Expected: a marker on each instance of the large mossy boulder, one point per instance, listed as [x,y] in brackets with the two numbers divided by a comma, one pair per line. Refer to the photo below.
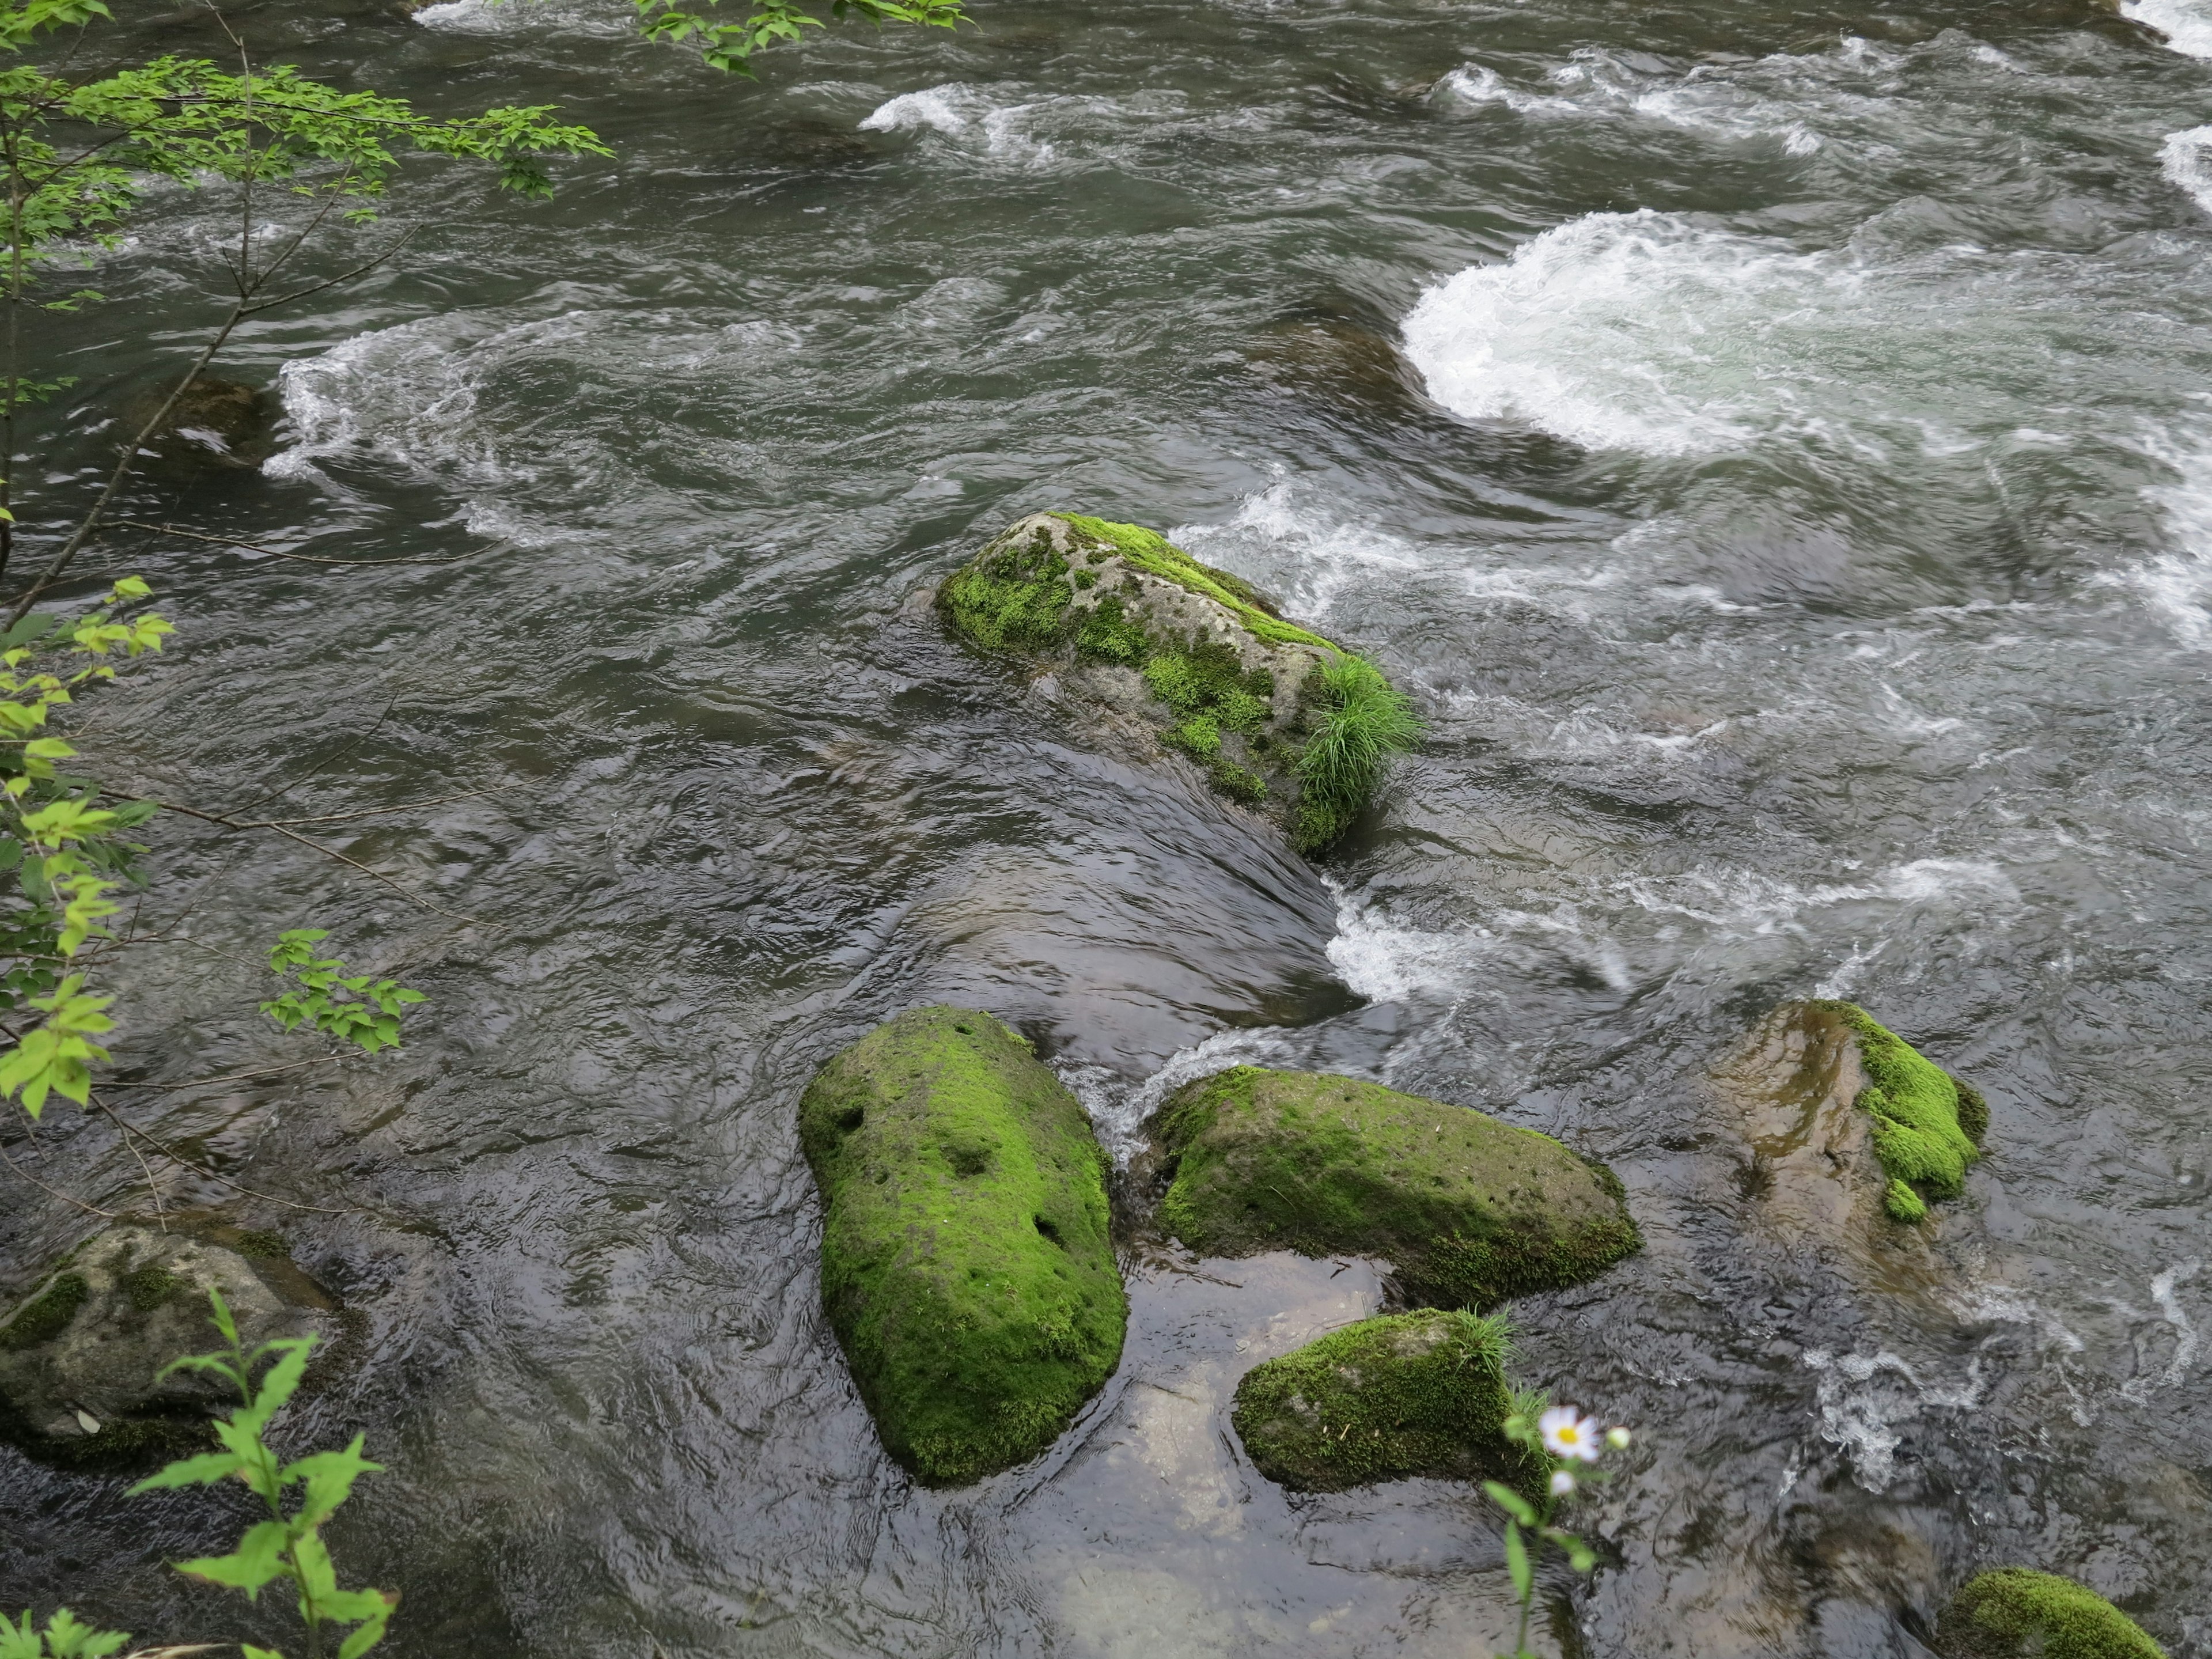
[79,1356]
[966,1263]
[1158,646]
[2015,1613]
[1466,1210]
[1387,1399]
[1853,1132]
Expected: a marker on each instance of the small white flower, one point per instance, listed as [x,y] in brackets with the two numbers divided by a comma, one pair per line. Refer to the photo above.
[1562,1483]
[1617,1438]
[1568,1433]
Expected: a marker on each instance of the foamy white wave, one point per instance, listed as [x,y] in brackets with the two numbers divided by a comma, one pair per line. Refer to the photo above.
[1322,554]
[1865,1398]
[2177,584]
[1118,1107]
[997,121]
[2185,158]
[2164,1293]
[1743,902]
[1640,331]
[1595,82]
[1386,962]
[2187,28]
[607,18]
[1476,84]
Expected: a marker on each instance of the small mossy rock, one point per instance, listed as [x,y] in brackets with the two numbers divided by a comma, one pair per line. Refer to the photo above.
[1853,1133]
[1466,1210]
[1387,1399]
[78,1357]
[214,423]
[1165,654]
[2015,1613]
[966,1263]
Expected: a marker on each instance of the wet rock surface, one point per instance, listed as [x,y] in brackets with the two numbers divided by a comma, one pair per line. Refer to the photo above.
[79,1357]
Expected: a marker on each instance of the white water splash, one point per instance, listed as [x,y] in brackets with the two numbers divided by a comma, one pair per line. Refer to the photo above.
[2177,584]
[2187,28]
[1119,1107]
[2185,158]
[1865,1400]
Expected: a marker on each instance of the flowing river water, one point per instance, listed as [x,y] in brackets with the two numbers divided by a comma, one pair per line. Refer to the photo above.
[1773,445]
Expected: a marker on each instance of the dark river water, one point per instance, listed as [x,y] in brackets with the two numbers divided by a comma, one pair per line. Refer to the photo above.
[1772,445]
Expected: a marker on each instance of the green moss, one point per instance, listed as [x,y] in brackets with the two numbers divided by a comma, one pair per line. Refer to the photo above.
[150,1286]
[966,1263]
[1466,1210]
[1108,634]
[1927,1126]
[1016,600]
[1363,720]
[1902,1203]
[1237,782]
[263,1244]
[46,1316]
[2012,1614]
[1418,1393]
[1151,552]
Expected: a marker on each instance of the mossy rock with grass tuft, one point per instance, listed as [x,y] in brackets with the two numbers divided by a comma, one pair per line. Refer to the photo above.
[79,1356]
[1466,1210]
[966,1263]
[2015,1613]
[1928,1125]
[1191,660]
[1387,1399]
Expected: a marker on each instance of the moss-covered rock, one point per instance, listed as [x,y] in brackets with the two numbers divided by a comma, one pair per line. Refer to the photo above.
[1275,715]
[966,1263]
[1928,1125]
[1416,1394]
[1466,1210]
[79,1356]
[2015,1613]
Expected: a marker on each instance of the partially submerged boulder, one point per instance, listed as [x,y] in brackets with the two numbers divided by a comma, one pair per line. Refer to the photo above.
[78,1357]
[1387,1399]
[1278,717]
[1848,1122]
[1466,1210]
[2015,1613]
[966,1264]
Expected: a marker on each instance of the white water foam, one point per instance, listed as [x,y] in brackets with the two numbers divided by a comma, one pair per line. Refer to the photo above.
[1866,1399]
[2177,584]
[1118,1107]
[2187,28]
[599,17]
[999,122]
[2185,158]
[1643,332]
[2165,1288]
[1595,82]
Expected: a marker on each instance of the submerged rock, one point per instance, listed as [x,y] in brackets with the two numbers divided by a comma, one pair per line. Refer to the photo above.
[1848,1123]
[78,1357]
[1466,1210]
[215,422]
[2015,1613]
[1405,1394]
[966,1264]
[1173,653]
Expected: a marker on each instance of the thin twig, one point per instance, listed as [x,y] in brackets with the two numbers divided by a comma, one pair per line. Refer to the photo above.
[335,757]
[327,852]
[55,1192]
[234,1077]
[372,812]
[176,1156]
[278,552]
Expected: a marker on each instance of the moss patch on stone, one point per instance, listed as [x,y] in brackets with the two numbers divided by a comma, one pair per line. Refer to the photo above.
[47,1314]
[966,1263]
[1466,1210]
[1928,1126]
[2013,1613]
[1153,553]
[1279,717]
[1387,1399]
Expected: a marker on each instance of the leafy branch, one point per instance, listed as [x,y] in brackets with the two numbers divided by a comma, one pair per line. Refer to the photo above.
[731,46]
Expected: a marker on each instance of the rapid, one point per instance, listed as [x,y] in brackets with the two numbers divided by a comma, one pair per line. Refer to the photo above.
[1771,444]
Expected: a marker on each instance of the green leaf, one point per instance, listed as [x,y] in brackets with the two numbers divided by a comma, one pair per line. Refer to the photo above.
[328,1477]
[372,1631]
[1511,1502]
[1517,1563]
[259,1557]
[204,1470]
[253,1652]
[19,1641]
